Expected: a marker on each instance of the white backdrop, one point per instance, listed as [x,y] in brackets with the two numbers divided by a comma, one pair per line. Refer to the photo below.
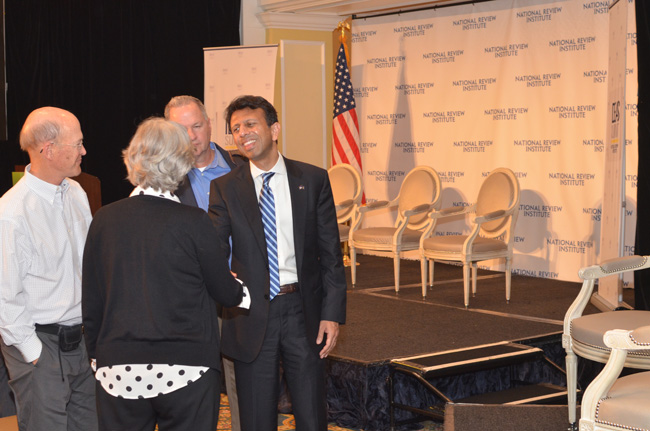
[518,84]
[231,72]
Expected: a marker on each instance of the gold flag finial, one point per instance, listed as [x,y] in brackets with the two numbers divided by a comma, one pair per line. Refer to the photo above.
[343,25]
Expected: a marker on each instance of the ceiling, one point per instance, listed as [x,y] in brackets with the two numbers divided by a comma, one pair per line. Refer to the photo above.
[344,8]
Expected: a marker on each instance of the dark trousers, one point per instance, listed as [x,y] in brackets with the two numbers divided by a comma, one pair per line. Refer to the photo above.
[194,407]
[7,404]
[56,394]
[258,381]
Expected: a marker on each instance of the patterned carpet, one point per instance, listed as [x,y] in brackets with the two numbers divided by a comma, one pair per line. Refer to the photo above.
[286,422]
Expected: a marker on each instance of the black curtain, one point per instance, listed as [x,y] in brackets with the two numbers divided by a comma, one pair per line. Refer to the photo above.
[642,245]
[112,63]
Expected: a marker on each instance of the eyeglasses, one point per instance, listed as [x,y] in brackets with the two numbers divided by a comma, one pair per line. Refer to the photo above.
[77,146]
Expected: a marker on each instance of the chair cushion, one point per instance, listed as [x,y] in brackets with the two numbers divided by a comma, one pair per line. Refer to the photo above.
[590,329]
[384,235]
[626,404]
[454,244]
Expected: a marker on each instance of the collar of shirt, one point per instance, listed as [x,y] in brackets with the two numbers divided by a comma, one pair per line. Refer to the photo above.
[279,168]
[154,192]
[200,178]
[42,188]
[219,161]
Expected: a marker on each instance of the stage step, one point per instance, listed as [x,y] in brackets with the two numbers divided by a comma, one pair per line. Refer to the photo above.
[469,360]
[428,368]
[537,393]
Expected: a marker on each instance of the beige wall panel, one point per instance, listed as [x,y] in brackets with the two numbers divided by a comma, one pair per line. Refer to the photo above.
[304,133]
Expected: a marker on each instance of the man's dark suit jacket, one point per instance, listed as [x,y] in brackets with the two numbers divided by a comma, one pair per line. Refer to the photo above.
[234,211]
[185,192]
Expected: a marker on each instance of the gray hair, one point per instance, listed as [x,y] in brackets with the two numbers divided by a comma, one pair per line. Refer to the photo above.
[43,131]
[180,101]
[159,155]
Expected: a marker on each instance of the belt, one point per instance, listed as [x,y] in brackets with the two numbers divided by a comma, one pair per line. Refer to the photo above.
[53,329]
[288,288]
[65,342]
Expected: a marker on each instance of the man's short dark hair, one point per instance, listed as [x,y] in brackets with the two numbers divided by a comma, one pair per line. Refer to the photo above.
[252,102]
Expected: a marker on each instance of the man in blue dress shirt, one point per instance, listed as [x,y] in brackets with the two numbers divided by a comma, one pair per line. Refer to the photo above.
[211,161]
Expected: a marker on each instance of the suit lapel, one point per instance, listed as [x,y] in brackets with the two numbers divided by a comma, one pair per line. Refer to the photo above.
[299,202]
[227,157]
[250,207]
[185,193]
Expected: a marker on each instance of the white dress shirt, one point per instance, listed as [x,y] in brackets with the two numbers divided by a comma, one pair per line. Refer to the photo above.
[43,230]
[279,184]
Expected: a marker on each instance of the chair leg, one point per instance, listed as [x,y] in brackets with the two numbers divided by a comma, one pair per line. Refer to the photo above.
[474,277]
[466,283]
[346,252]
[353,265]
[396,269]
[431,263]
[508,279]
[424,263]
[572,385]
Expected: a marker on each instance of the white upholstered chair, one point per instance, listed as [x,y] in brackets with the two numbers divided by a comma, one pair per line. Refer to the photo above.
[347,190]
[613,403]
[491,237]
[418,195]
[583,335]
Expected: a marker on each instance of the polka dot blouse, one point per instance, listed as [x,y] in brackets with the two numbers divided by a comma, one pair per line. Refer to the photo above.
[139,381]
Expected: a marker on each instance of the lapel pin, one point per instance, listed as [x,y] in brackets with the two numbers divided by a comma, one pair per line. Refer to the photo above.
[301,187]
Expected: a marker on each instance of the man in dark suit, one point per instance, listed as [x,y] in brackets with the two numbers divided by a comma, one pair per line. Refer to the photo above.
[294,319]
[211,161]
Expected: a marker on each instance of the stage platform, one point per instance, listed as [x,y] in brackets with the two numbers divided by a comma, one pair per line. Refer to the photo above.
[382,326]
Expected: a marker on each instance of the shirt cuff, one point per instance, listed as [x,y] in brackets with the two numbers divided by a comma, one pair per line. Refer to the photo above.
[31,348]
[246,296]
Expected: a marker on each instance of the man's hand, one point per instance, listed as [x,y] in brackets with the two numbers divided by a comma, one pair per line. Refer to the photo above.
[330,331]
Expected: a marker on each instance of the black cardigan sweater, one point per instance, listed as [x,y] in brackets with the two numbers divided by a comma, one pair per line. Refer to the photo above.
[152,271]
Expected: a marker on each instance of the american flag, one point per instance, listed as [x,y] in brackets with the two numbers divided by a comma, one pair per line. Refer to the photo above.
[345,133]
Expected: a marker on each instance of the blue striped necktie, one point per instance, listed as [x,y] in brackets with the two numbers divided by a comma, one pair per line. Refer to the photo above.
[267,208]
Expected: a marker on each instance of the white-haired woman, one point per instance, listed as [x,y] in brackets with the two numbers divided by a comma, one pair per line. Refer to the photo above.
[152,271]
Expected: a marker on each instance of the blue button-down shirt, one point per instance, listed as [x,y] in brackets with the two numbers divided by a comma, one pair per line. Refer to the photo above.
[200,178]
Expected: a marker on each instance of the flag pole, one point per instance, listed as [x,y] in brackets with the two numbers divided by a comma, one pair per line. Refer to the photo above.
[343,39]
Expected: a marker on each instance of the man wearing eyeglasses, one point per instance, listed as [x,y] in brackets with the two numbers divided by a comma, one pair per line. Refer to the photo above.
[44,220]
